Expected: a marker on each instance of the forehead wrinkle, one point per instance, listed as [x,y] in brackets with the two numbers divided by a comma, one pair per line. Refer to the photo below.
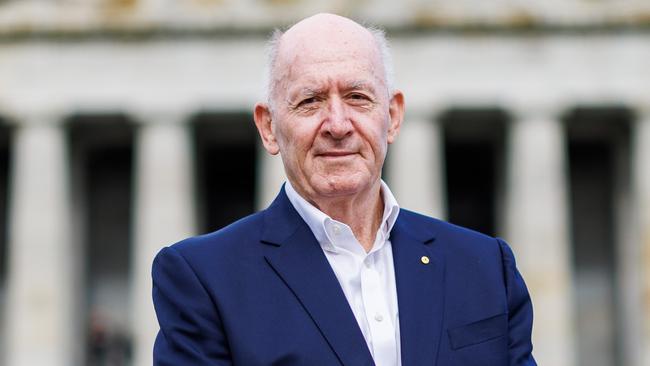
[303,62]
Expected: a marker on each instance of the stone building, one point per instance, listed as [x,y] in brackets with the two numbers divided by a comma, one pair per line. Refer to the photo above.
[126,125]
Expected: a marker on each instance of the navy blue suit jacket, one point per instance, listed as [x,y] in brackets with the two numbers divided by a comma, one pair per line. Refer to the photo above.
[261,292]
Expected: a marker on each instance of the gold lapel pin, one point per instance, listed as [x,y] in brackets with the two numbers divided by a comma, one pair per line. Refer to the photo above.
[424,259]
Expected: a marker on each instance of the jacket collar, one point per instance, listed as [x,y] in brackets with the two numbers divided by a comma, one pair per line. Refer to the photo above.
[296,256]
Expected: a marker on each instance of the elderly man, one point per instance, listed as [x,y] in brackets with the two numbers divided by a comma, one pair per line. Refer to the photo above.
[334,272]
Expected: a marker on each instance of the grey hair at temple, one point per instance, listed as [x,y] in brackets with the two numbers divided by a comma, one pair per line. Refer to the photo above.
[273,45]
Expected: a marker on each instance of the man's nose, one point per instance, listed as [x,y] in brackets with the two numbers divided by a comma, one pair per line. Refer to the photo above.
[337,121]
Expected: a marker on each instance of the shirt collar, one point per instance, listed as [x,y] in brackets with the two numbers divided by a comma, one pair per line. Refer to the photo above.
[317,220]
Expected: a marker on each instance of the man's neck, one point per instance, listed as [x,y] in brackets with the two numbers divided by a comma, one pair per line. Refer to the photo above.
[362,212]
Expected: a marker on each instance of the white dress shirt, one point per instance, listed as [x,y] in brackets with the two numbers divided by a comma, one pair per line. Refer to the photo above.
[367,279]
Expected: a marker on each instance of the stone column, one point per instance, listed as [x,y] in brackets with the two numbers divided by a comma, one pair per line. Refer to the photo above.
[537,226]
[164,212]
[416,166]
[641,183]
[270,172]
[40,323]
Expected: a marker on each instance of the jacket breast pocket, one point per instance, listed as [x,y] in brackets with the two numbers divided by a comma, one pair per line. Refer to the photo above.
[478,332]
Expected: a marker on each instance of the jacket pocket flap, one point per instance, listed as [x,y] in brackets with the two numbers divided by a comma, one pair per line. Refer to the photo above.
[477,332]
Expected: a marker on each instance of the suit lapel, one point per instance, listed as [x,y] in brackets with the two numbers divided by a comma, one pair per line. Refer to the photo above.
[420,291]
[297,257]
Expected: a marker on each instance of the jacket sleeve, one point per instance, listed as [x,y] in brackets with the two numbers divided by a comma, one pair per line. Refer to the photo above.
[520,311]
[191,331]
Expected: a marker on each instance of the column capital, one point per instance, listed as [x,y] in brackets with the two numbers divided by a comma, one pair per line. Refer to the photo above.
[35,117]
[146,116]
[543,110]
[429,114]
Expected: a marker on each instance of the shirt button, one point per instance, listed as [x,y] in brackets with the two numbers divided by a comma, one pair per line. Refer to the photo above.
[378,317]
[336,229]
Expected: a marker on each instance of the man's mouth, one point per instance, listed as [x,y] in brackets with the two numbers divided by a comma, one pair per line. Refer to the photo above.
[336,154]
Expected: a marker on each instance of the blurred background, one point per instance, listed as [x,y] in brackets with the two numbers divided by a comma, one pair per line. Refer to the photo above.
[125,125]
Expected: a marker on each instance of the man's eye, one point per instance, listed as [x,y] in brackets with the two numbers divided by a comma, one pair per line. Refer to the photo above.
[357,96]
[308,101]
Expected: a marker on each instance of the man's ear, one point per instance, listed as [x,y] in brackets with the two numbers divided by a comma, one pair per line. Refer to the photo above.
[396,113]
[263,122]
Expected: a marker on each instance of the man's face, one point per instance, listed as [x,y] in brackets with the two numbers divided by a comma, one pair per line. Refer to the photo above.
[332,116]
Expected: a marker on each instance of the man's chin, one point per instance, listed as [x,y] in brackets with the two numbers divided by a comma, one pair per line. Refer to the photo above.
[339,186]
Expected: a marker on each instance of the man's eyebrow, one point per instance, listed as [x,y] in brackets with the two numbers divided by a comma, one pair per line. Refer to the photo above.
[307,91]
[311,91]
[359,85]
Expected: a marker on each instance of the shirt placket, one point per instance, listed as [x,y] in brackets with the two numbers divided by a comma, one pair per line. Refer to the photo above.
[378,317]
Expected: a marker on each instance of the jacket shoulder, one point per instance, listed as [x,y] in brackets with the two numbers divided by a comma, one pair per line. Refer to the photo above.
[456,239]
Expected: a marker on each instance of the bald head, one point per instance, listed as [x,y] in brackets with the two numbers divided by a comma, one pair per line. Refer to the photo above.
[326,37]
